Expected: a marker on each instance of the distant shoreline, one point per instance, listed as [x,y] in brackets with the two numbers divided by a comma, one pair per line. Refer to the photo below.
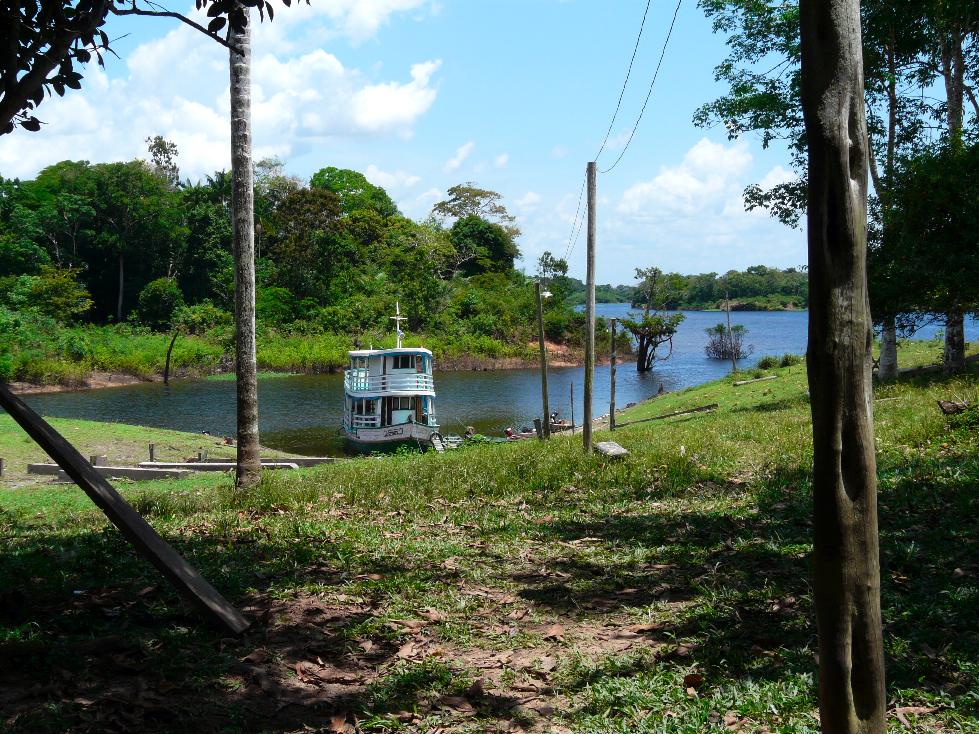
[559,358]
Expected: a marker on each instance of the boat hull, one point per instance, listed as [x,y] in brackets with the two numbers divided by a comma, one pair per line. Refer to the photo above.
[389,437]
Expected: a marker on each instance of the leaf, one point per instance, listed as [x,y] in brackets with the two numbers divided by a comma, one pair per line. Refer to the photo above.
[256,657]
[554,632]
[216,24]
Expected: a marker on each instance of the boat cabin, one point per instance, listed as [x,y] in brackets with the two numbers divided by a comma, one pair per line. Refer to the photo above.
[389,387]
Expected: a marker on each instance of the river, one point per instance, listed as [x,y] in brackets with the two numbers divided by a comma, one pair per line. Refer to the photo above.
[301,413]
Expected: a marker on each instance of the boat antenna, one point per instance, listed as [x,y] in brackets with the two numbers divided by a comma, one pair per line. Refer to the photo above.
[397,319]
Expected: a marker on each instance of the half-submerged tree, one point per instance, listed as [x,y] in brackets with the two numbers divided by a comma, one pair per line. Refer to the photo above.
[656,328]
[724,343]
[846,566]
[249,467]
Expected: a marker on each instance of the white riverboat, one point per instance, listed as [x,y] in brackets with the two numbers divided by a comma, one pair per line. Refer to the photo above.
[389,396]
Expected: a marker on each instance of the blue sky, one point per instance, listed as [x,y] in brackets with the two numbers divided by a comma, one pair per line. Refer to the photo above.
[419,95]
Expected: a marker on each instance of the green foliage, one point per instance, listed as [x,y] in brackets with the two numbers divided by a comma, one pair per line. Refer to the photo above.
[488,246]
[354,191]
[158,302]
[54,292]
[275,305]
[201,318]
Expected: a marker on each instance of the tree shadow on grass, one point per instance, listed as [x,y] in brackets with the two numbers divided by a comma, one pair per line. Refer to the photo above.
[737,588]
[94,641]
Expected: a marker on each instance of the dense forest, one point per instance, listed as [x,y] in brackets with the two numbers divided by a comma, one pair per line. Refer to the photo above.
[94,255]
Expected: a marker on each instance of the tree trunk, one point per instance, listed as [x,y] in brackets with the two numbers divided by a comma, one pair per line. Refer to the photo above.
[119,298]
[166,367]
[846,569]
[953,73]
[953,361]
[888,351]
[249,468]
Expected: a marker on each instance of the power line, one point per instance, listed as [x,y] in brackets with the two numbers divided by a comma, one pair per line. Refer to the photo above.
[624,83]
[651,85]
[572,238]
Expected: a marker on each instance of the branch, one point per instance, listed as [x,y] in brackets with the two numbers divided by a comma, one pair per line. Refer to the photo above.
[970,93]
[170,14]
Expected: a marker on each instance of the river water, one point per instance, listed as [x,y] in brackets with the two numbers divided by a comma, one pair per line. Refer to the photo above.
[301,413]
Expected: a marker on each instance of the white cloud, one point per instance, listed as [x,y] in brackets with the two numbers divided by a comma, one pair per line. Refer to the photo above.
[177,86]
[395,180]
[420,206]
[528,201]
[558,151]
[692,213]
[778,175]
[501,160]
[462,152]
[709,171]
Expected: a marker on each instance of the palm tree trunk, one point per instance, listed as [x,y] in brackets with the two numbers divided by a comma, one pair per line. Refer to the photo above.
[249,468]
[846,565]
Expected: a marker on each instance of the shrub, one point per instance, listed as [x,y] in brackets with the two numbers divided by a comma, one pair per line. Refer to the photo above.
[201,318]
[791,359]
[159,301]
[768,362]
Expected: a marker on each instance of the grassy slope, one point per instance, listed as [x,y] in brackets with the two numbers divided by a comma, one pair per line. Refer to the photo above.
[665,592]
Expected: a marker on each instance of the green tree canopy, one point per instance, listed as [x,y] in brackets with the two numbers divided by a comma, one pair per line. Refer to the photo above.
[354,191]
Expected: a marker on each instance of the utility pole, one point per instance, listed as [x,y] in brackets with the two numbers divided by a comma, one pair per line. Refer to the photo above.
[611,375]
[572,407]
[543,363]
[590,309]
[730,334]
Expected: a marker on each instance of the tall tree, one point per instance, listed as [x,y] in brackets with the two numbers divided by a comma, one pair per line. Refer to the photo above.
[846,566]
[355,192]
[249,467]
[654,328]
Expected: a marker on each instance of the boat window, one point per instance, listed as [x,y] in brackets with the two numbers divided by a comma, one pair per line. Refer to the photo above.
[402,403]
[364,407]
[359,363]
[404,362]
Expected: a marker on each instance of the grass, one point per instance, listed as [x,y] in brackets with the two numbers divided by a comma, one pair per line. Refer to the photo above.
[506,586]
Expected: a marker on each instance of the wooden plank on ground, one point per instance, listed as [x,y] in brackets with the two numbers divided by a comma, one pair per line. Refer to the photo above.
[739,383]
[131,524]
[701,409]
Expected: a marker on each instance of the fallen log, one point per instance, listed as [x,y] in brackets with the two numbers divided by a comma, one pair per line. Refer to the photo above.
[701,409]
[739,383]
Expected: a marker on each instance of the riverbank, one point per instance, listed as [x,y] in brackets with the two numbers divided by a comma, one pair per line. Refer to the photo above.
[523,582]
[71,379]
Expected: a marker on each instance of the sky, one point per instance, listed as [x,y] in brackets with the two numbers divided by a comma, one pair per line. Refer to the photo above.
[419,95]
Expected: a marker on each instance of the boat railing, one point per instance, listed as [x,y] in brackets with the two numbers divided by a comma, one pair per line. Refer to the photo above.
[360,380]
[365,421]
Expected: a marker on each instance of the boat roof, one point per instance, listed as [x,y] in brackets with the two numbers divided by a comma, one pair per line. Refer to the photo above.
[397,350]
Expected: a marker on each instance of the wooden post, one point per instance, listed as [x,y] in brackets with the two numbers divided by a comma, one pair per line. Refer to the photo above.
[590,309]
[611,377]
[543,363]
[152,452]
[137,531]
[538,427]
[730,334]
[1,467]
[572,407]
[846,550]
